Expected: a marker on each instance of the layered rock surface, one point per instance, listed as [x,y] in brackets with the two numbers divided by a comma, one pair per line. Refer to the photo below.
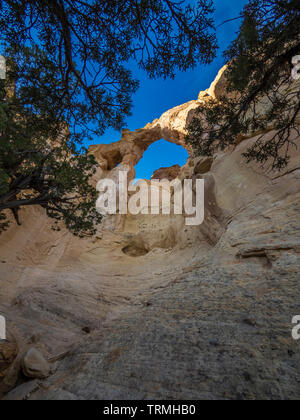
[152,308]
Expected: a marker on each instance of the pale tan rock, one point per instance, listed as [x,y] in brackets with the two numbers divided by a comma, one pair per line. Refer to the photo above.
[34,365]
[167,173]
[218,88]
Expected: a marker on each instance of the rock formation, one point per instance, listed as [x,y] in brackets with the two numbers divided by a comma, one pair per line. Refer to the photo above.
[34,365]
[167,173]
[151,308]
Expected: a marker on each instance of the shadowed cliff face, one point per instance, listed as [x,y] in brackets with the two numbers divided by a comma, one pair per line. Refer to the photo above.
[151,308]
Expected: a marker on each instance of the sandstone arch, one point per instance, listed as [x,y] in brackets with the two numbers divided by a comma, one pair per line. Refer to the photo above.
[128,151]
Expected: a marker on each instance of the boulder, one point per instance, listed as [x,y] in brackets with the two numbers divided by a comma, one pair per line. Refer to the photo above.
[34,365]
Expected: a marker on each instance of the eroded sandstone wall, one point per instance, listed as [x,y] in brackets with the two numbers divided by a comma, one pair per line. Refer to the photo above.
[151,308]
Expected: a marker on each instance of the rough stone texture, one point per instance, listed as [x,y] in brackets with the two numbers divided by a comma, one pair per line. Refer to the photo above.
[203,165]
[34,365]
[151,308]
[167,173]
[8,353]
[218,88]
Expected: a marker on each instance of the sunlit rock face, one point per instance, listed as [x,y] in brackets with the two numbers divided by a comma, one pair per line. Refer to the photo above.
[150,308]
[127,152]
[167,173]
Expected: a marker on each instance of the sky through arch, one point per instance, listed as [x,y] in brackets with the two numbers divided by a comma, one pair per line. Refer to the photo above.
[161,154]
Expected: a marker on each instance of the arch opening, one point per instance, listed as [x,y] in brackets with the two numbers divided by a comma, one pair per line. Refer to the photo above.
[161,154]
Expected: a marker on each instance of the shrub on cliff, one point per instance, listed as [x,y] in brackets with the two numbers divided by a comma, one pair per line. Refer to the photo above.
[68,66]
[40,163]
[261,92]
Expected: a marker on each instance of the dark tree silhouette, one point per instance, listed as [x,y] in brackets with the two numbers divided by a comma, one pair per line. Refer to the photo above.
[259,73]
[68,80]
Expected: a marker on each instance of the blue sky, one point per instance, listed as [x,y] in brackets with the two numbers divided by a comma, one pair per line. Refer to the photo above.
[154,97]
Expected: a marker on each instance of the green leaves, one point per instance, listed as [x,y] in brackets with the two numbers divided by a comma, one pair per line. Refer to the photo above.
[4,182]
[68,80]
[259,78]
[85,48]
[40,162]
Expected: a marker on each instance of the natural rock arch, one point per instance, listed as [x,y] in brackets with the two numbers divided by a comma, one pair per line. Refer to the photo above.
[127,152]
[171,126]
